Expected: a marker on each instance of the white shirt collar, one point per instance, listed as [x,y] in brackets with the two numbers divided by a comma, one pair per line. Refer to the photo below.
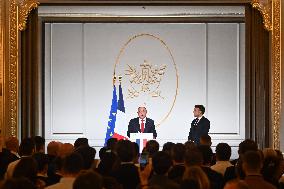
[140,121]
[199,118]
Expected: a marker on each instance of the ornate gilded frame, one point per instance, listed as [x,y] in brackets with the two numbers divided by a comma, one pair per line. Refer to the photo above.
[13,18]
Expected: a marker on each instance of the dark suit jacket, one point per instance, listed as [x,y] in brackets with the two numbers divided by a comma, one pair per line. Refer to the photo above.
[6,157]
[127,175]
[196,131]
[134,127]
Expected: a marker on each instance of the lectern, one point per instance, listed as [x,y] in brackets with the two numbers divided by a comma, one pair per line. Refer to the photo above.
[141,139]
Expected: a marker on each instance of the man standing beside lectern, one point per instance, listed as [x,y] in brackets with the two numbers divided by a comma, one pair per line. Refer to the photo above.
[199,126]
[141,124]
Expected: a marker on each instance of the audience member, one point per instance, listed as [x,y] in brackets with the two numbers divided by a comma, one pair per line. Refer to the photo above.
[236,184]
[167,147]
[26,149]
[39,144]
[88,153]
[17,183]
[72,165]
[215,178]
[152,147]
[88,180]
[251,164]
[197,174]
[81,142]
[223,154]
[127,173]
[162,163]
[205,140]
[177,154]
[8,154]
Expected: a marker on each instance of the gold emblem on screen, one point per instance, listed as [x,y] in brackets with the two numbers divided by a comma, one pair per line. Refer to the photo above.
[147,80]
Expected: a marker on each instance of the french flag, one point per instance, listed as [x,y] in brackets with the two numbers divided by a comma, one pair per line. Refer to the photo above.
[121,124]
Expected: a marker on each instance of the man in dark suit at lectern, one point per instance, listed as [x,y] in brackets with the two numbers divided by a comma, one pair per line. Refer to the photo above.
[142,124]
[199,126]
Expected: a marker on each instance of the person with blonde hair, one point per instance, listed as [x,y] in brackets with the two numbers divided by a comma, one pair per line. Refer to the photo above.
[197,174]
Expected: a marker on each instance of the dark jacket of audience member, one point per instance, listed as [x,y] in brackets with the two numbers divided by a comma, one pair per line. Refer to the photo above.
[162,163]
[177,154]
[215,178]
[127,172]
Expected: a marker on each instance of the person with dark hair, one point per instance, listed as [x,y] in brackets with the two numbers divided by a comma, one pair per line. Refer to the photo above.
[252,163]
[88,180]
[27,148]
[177,154]
[107,164]
[71,166]
[215,178]
[39,144]
[223,154]
[42,166]
[199,126]
[111,143]
[142,124]
[81,142]
[8,154]
[193,158]
[88,154]
[152,147]
[167,147]
[195,173]
[126,173]
[236,171]
[18,183]
[162,163]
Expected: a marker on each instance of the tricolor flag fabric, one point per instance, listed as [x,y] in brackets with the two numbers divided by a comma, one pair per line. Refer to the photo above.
[117,127]
[121,125]
[112,116]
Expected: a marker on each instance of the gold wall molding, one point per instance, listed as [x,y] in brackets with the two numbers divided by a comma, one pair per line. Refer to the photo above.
[265,8]
[276,72]
[25,7]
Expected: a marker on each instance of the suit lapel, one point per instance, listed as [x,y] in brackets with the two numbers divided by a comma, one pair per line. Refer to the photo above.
[138,125]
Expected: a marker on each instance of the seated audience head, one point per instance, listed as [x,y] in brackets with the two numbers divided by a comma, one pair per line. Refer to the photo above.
[27,167]
[39,144]
[178,153]
[223,152]
[111,143]
[193,158]
[12,144]
[72,164]
[111,183]
[273,167]
[107,163]
[196,173]
[65,149]
[162,163]
[17,183]
[167,147]
[27,147]
[152,147]
[236,184]
[207,154]
[103,151]
[199,110]
[251,162]
[205,140]
[42,162]
[88,154]
[88,180]
[190,145]
[125,150]
[247,145]
[53,148]
[81,142]
[269,152]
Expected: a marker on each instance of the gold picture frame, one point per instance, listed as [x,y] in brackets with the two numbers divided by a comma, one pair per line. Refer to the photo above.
[13,18]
